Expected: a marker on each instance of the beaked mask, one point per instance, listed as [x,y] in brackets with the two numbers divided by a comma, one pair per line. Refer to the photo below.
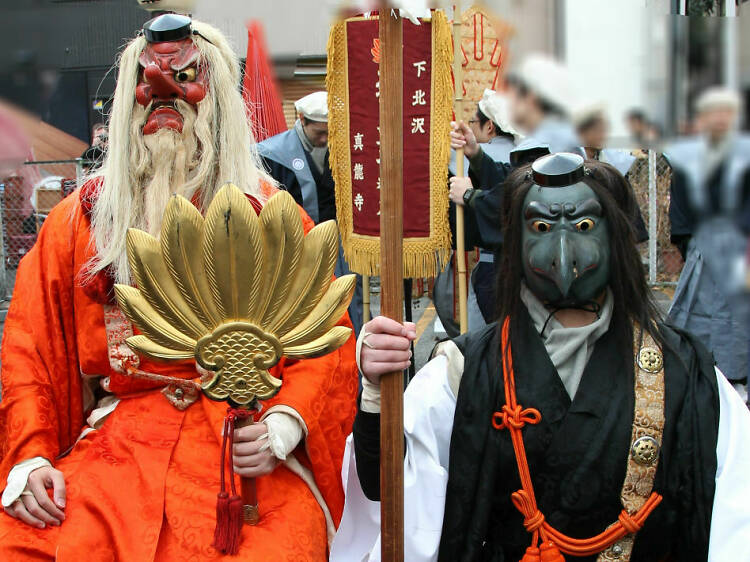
[565,241]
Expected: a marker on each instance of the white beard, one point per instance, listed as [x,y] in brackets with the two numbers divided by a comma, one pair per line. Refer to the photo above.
[166,163]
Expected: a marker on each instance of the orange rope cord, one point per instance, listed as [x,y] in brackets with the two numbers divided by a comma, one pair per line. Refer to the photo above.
[513,417]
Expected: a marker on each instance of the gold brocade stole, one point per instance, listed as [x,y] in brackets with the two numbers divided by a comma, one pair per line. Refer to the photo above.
[648,427]
[181,393]
[118,329]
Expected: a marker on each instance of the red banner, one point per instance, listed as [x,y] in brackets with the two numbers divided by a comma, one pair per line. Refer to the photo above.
[354,140]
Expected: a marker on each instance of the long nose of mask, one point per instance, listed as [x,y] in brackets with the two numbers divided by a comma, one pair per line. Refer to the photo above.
[564,259]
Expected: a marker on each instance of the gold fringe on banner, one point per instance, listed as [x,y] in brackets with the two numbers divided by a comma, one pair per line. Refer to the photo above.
[422,257]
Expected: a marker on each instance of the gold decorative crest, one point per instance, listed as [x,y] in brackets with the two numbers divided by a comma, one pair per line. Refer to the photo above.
[236,291]
[484,45]
[650,359]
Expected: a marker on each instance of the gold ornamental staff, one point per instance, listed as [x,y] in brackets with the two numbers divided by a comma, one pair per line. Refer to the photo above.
[236,291]
[463,314]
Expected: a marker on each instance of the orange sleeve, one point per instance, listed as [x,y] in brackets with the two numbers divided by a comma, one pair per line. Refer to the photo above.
[41,410]
[307,382]
[323,391]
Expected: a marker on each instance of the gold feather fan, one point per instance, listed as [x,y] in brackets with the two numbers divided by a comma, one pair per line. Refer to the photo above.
[236,291]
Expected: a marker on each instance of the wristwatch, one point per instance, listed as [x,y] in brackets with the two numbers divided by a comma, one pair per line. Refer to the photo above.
[468,194]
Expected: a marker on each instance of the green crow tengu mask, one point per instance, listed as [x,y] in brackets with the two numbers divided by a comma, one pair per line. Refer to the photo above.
[565,241]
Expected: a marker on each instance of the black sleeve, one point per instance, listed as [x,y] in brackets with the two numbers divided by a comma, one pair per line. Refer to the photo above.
[688,464]
[485,172]
[366,432]
[274,169]
[681,243]
[471,232]
[744,210]
[482,224]
[487,208]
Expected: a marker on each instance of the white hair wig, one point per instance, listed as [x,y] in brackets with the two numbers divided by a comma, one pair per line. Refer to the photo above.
[225,150]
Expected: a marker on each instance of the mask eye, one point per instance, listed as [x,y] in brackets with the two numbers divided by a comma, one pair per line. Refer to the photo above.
[541,226]
[185,75]
[585,225]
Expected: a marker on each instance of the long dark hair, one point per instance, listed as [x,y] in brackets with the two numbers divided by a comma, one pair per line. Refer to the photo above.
[633,302]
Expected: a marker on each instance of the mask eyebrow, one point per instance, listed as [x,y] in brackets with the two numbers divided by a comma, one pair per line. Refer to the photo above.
[587,207]
[193,58]
[537,209]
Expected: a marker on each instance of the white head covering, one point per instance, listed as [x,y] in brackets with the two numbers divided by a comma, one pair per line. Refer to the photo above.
[586,111]
[495,106]
[314,106]
[549,80]
[718,97]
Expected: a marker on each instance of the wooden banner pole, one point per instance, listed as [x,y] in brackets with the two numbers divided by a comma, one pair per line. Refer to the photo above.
[463,312]
[391,280]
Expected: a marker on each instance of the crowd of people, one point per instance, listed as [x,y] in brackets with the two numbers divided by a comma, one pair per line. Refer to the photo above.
[573,420]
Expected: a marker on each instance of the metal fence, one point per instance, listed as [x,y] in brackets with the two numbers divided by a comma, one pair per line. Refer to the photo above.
[26,196]
[651,177]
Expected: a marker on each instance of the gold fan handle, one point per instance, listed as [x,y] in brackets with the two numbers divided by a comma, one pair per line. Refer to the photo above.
[250,513]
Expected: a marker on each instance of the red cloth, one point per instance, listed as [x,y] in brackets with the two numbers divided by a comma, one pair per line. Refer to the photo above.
[143,487]
[363,54]
[260,88]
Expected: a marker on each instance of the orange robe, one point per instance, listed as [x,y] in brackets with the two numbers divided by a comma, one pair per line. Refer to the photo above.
[143,487]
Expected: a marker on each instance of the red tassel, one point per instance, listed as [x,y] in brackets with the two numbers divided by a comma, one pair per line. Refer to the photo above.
[550,553]
[234,530]
[221,533]
[532,555]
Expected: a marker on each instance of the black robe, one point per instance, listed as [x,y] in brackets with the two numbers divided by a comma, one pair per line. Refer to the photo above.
[684,216]
[577,454]
[324,183]
[482,218]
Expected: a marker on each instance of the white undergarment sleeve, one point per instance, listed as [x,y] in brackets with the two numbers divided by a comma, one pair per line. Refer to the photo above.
[284,433]
[429,404]
[103,409]
[19,476]
[730,522]
[370,400]
[455,363]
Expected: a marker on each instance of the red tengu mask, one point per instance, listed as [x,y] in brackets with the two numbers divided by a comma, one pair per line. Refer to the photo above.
[169,71]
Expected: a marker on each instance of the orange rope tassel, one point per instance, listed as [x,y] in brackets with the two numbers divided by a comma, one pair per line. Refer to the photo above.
[532,555]
[550,553]
[513,417]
